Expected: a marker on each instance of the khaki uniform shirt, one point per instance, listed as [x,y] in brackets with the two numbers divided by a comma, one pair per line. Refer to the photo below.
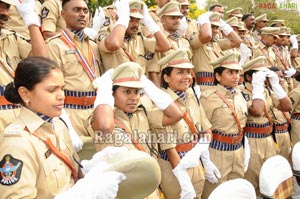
[176,42]
[295,98]
[52,21]
[76,78]
[277,115]
[135,48]
[262,50]
[36,171]
[219,114]
[15,21]
[13,48]
[256,36]
[282,57]
[192,27]
[249,39]
[268,103]
[180,131]
[206,53]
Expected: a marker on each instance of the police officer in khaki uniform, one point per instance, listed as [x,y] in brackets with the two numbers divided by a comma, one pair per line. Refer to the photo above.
[176,67]
[14,49]
[226,103]
[79,59]
[249,21]
[188,26]
[260,22]
[259,126]
[295,114]
[170,17]
[281,120]
[125,42]
[52,21]
[204,53]
[29,167]
[264,46]
[16,23]
[277,23]
[119,99]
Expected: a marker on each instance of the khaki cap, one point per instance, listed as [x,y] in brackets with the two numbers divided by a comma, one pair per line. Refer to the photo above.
[233,21]
[184,2]
[277,21]
[170,9]
[262,17]
[258,63]
[283,31]
[237,12]
[136,9]
[215,18]
[241,26]
[179,58]
[230,61]
[11,2]
[142,174]
[128,74]
[270,31]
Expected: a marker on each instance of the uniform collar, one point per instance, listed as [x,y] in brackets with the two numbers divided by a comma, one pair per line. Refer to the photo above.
[224,91]
[30,119]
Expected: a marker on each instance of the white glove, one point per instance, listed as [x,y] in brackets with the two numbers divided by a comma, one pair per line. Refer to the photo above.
[98,19]
[161,99]
[76,141]
[212,173]
[244,51]
[183,26]
[187,189]
[226,28]
[104,91]
[148,21]
[246,153]
[26,11]
[96,184]
[123,12]
[258,83]
[197,91]
[101,156]
[294,41]
[274,81]
[204,18]
[91,33]
[191,158]
[290,72]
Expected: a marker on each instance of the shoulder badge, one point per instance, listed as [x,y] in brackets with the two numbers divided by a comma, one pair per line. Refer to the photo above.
[246,96]
[10,170]
[44,13]
[148,56]
[107,21]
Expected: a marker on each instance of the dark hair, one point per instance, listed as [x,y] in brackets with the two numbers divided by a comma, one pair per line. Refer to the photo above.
[114,88]
[245,16]
[215,5]
[166,71]
[249,73]
[219,71]
[64,2]
[275,68]
[29,72]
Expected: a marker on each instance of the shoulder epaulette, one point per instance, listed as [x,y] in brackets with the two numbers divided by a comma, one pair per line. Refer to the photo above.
[208,92]
[53,37]
[13,130]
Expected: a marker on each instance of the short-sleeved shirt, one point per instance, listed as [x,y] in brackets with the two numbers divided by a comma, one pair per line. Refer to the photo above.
[135,48]
[180,132]
[35,171]
[52,21]
[76,78]
[218,112]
